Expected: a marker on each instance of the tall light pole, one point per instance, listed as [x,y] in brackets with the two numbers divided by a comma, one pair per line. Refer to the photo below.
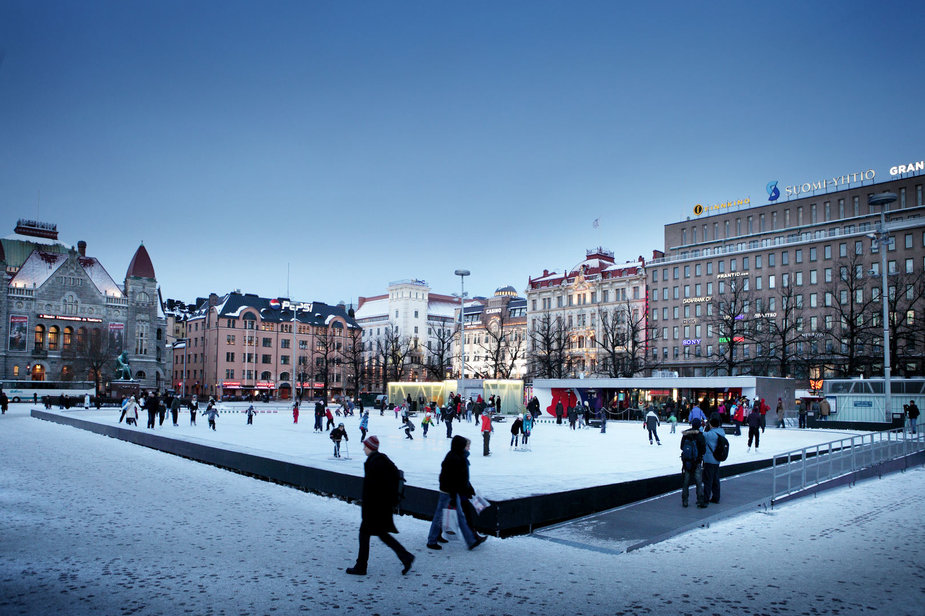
[462,273]
[883,200]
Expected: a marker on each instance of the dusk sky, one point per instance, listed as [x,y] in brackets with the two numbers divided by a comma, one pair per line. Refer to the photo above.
[366,142]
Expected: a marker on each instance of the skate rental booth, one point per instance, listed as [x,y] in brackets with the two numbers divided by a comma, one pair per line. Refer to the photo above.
[620,395]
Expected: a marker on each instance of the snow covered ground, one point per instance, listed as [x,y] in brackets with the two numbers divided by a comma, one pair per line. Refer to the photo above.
[93,525]
[559,458]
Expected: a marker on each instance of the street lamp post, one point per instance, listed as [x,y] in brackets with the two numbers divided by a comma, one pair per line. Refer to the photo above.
[883,200]
[462,273]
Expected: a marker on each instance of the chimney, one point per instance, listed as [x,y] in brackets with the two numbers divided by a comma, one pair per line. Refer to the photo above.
[213,299]
[82,248]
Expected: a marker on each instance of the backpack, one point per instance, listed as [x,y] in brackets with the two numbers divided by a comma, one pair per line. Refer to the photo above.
[721,452]
[689,452]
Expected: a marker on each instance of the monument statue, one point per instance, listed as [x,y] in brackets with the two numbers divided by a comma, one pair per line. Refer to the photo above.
[123,371]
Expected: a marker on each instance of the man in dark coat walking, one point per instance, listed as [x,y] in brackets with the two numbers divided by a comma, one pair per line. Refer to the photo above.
[380,489]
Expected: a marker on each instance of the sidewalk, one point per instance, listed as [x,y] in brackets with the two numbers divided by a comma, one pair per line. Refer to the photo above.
[637,525]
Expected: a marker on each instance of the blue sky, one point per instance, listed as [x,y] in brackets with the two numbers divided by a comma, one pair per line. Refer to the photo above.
[365,142]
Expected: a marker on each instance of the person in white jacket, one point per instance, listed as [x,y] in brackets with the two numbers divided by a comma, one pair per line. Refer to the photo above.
[131,412]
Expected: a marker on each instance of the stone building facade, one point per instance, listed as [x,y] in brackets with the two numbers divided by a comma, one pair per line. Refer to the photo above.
[66,319]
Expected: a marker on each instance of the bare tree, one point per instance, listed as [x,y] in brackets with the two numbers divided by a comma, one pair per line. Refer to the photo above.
[777,333]
[725,316]
[549,356]
[849,325]
[328,354]
[439,351]
[91,353]
[905,300]
[391,353]
[502,345]
[353,358]
[624,332]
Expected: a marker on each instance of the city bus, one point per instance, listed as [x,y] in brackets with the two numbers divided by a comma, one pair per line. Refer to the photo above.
[27,391]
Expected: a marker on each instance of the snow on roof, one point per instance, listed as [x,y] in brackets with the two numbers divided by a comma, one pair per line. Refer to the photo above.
[37,269]
[100,277]
[374,308]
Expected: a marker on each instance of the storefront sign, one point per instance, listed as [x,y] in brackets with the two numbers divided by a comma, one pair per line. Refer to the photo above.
[231,384]
[730,275]
[691,341]
[910,168]
[697,300]
[60,317]
[734,339]
[765,315]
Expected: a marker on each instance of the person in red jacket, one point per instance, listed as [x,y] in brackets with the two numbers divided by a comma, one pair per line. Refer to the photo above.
[763,409]
[487,429]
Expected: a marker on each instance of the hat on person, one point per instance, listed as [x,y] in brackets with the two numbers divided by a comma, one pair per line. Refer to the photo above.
[372,442]
[695,423]
[340,425]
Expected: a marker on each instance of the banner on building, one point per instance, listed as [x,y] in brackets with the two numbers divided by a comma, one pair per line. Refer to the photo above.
[19,330]
[115,337]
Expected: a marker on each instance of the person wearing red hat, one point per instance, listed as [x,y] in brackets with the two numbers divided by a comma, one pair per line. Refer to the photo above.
[380,490]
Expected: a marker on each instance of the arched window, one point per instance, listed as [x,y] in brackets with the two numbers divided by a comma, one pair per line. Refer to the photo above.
[141,338]
[16,372]
[81,337]
[265,375]
[96,337]
[68,338]
[38,372]
[284,376]
[53,338]
[66,373]
[70,304]
[39,338]
[140,376]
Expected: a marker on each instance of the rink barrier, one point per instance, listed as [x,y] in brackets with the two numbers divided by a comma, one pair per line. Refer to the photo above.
[503,518]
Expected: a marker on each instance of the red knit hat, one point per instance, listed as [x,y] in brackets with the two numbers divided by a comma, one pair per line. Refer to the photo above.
[372,442]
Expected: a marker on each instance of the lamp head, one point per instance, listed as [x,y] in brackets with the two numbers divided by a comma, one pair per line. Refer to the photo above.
[465,272]
[881,198]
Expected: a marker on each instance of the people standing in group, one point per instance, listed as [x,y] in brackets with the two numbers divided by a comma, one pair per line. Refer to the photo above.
[693,447]
[738,410]
[516,427]
[824,409]
[175,410]
[527,427]
[779,411]
[364,425]
[697,413]
[428,419]
[754,428]
[330,416]
[193,408]
[379,496]
[913,413]
[150,406]
[711,438]
[130,412]
[454,487]
[211,413]
[486,430]
[319,416]
[651,423]
[448,416]
[250,412]
[337,434]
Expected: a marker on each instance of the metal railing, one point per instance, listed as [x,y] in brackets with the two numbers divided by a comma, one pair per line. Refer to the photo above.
[803,468]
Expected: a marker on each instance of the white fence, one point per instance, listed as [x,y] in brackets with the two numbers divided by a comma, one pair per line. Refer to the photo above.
[803,468]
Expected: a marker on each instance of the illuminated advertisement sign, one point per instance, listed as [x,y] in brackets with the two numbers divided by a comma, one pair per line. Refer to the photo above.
[734,339]
[717,207]
[60,317]
[730,275]
[827,183]
[691,341]
[697,300]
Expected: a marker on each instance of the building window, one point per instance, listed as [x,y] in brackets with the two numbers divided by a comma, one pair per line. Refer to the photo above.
[141,338]
[53,338]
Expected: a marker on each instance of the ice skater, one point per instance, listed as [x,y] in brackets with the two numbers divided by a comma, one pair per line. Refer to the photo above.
[516,427]
[527,427]
[337,434]
[193,407]
[250,415]
[211,413]
[364,425]
[651,424]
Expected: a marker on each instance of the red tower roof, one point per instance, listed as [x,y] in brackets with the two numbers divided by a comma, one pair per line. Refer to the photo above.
[141,266]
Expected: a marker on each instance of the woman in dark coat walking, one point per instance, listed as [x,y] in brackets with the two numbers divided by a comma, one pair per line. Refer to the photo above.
[380,490]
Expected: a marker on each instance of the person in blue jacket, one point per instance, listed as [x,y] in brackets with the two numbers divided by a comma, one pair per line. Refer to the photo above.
[710,463]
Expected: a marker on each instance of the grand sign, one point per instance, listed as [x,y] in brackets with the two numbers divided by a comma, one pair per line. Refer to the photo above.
[701,209]
[910,168]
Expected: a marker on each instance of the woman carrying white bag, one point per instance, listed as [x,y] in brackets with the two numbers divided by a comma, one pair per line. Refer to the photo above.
[454,487]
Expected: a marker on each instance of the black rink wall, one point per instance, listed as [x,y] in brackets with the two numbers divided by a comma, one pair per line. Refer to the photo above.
[503,518]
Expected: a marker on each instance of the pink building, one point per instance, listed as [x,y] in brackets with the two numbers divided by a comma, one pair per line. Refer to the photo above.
[242,345]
